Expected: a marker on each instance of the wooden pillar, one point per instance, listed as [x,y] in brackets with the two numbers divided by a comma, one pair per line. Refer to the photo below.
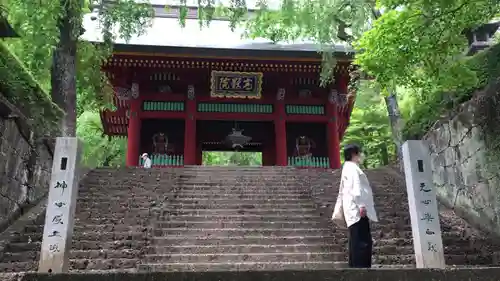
[332,132]
[190,128]
[280,129]
[134,133]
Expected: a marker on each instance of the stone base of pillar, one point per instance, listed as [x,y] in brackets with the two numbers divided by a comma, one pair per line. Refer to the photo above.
[61,204]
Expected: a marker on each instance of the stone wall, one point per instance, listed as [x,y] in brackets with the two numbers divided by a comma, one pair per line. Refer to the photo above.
[463,171]
[25,165]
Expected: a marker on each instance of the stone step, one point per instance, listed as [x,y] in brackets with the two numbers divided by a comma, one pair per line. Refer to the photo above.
[195,233]
[260,224]
[224,240]
[236,224]
[104,264]
[253,217]
[252,211]
[18,266]
[246,257]
[136,202]
[272,248]
[241,266]
[214,205]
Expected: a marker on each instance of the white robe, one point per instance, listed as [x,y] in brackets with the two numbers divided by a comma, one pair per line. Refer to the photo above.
[356,193]
[147,163]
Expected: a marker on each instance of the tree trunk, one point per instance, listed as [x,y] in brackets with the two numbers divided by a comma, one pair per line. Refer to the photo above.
[391,101]
[384,154]
[63,70]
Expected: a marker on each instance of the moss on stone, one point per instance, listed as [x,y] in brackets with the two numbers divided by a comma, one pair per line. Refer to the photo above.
[20,88]
[486,65]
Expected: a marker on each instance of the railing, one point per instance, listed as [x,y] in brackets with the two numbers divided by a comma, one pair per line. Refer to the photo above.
[309,162]
[163,160]
[163,106]
[235,108]
[305,109]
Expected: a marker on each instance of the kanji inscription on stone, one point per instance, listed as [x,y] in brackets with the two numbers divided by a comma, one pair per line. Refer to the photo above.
[59,216]
[422,204]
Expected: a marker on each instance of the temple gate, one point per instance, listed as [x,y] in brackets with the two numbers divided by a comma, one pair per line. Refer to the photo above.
[174,107]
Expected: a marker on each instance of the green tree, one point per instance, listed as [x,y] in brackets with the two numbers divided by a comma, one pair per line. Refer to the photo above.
[99,150]
[231,158]
[369,127]
[50,48]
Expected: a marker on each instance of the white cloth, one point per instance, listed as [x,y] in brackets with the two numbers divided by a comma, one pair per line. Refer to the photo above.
[147,163]
[356,193]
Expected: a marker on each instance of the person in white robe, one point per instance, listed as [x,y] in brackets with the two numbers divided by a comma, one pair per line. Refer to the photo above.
[358,208]
[147,161]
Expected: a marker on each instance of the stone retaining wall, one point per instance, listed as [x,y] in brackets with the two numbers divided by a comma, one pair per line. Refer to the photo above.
[25,166]
[462,170]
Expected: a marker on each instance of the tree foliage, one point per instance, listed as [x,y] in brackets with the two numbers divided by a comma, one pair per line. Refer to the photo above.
[421,43]
[231,158]
[99,150]
[369,127]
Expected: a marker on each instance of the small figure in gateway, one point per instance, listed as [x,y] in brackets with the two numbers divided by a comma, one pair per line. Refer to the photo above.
[160,143]
[303,146]
[236,139]
[147,161]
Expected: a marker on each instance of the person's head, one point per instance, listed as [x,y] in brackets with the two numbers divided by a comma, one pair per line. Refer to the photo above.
[352,152]
[144,156]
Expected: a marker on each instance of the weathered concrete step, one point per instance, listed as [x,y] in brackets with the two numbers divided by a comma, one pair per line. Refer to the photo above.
[137,202]
[246,257]
[241,266]
[104,264]
[19,266]
[236,224]
[252,211]
[91,235]
[245,190]
[77,254]
[261,224]
[243,195]
[245,217]
[244,249]
[194,233]
[223,240]
[122,245]
[211,204]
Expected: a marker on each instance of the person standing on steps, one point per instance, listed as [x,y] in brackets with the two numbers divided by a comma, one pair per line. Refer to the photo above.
[355,208]
[147,161]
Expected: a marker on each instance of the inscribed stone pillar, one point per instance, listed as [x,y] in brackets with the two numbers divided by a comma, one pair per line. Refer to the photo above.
[422,203]
[61,204]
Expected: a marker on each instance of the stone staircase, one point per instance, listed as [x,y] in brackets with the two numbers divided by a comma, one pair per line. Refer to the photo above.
[230,218]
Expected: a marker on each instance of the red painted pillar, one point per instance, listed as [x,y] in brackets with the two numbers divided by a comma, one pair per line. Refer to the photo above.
[134,134]
[280,129]
[190,129]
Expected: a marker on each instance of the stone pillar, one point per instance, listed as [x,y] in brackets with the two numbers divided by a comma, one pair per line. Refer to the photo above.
[280,129]
[190,128]
[332,132]
[61,204]
[134,134]
[422,203]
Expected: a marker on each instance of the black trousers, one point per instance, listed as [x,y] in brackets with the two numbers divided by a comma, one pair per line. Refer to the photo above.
[360,244]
